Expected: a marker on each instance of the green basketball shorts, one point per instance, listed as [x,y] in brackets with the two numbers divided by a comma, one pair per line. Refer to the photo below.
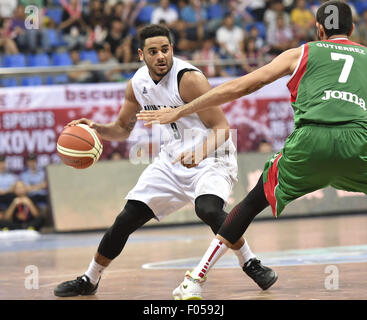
[313,158]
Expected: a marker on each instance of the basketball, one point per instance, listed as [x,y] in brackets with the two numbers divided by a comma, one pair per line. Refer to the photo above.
[79,146]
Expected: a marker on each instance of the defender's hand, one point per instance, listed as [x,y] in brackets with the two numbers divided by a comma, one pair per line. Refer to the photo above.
[162,116]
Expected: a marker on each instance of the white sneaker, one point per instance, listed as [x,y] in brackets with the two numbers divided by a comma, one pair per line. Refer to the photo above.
[189,289]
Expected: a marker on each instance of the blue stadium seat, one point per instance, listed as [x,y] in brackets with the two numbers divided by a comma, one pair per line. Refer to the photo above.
[55,14]
[31,81]
[60,79]
[14,60]
[145,14]
[61,59]
[39,60]
[9,82]
[90,55]
[55,38]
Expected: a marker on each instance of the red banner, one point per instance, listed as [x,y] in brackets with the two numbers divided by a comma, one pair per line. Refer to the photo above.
[31,119]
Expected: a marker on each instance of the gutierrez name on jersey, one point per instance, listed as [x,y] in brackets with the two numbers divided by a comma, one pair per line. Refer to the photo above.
[346,96]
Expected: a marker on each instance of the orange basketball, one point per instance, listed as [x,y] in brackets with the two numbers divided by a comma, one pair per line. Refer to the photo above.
[79,146]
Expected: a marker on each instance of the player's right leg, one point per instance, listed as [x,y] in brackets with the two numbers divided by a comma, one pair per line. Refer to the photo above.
[229,234]
[134,215]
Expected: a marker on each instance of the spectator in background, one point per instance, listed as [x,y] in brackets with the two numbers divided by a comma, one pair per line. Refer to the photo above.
[271,15]
[240,14]
[255,35]
[28,40]
[194,17]
[79,76]
[230,38]
[105,57]
[119,40]
[166,13]
[7,44]
[362,28]
[118,11]
[254,57]
[280,38]
[208,54]
[72,24]
[303,21]
[22,212]
[96,22]
[34,179]
[7,182]
[257,9]
[215,14]
[7,8]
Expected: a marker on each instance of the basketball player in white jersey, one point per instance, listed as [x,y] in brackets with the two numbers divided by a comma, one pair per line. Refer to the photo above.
[164,186]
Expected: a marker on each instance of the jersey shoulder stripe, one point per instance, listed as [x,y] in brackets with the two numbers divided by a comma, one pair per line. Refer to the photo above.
[298,73]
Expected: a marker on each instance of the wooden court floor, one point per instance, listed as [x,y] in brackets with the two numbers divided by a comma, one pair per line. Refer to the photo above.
[315,258]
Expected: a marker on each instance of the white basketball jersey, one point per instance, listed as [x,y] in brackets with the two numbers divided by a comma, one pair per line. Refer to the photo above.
[185,133]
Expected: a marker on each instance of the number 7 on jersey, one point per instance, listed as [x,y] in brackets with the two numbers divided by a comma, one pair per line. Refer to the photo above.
[343,78]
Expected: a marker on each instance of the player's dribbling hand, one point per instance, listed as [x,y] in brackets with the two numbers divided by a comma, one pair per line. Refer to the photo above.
[88,122]
[162,116]
[188,159]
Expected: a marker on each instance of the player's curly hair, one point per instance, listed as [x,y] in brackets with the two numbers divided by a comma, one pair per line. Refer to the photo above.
[153,30]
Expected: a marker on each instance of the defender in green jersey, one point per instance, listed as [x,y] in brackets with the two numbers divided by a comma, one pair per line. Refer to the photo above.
[328,146]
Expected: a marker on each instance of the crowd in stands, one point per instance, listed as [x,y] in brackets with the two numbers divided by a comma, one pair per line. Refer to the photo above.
[74,32]
[23,197]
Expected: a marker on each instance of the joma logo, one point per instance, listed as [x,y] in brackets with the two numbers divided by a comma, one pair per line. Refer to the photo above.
[345,96]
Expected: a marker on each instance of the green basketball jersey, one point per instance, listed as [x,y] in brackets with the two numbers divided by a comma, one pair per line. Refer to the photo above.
[329,85]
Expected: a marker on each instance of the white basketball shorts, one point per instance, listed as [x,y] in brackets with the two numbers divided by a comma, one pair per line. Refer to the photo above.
[167,187]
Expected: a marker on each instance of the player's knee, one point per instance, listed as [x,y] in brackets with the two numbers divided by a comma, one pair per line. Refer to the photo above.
[210,211]
[134,215]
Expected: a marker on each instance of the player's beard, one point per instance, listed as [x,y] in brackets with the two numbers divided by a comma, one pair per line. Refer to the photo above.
[153,70]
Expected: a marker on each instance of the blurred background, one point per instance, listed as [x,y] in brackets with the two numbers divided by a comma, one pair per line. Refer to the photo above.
[65,59]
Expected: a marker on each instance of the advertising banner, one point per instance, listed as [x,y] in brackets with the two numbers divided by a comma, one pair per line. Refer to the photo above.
[31,118]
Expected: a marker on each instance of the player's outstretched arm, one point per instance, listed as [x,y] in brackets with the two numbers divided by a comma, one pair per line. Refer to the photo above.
[282,65]
[194,84]
[120,129]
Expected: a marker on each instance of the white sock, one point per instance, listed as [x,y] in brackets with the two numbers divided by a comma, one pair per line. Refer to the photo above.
[94,271]
[244,254]
[211,256]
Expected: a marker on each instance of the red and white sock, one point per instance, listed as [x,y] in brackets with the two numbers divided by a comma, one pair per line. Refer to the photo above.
[244,254]
[211,256]
[94,271]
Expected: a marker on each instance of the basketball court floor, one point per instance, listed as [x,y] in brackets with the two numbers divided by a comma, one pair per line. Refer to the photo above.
[315,258]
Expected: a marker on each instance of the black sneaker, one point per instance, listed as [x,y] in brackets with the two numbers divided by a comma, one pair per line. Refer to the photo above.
[79,286]
[263,276]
